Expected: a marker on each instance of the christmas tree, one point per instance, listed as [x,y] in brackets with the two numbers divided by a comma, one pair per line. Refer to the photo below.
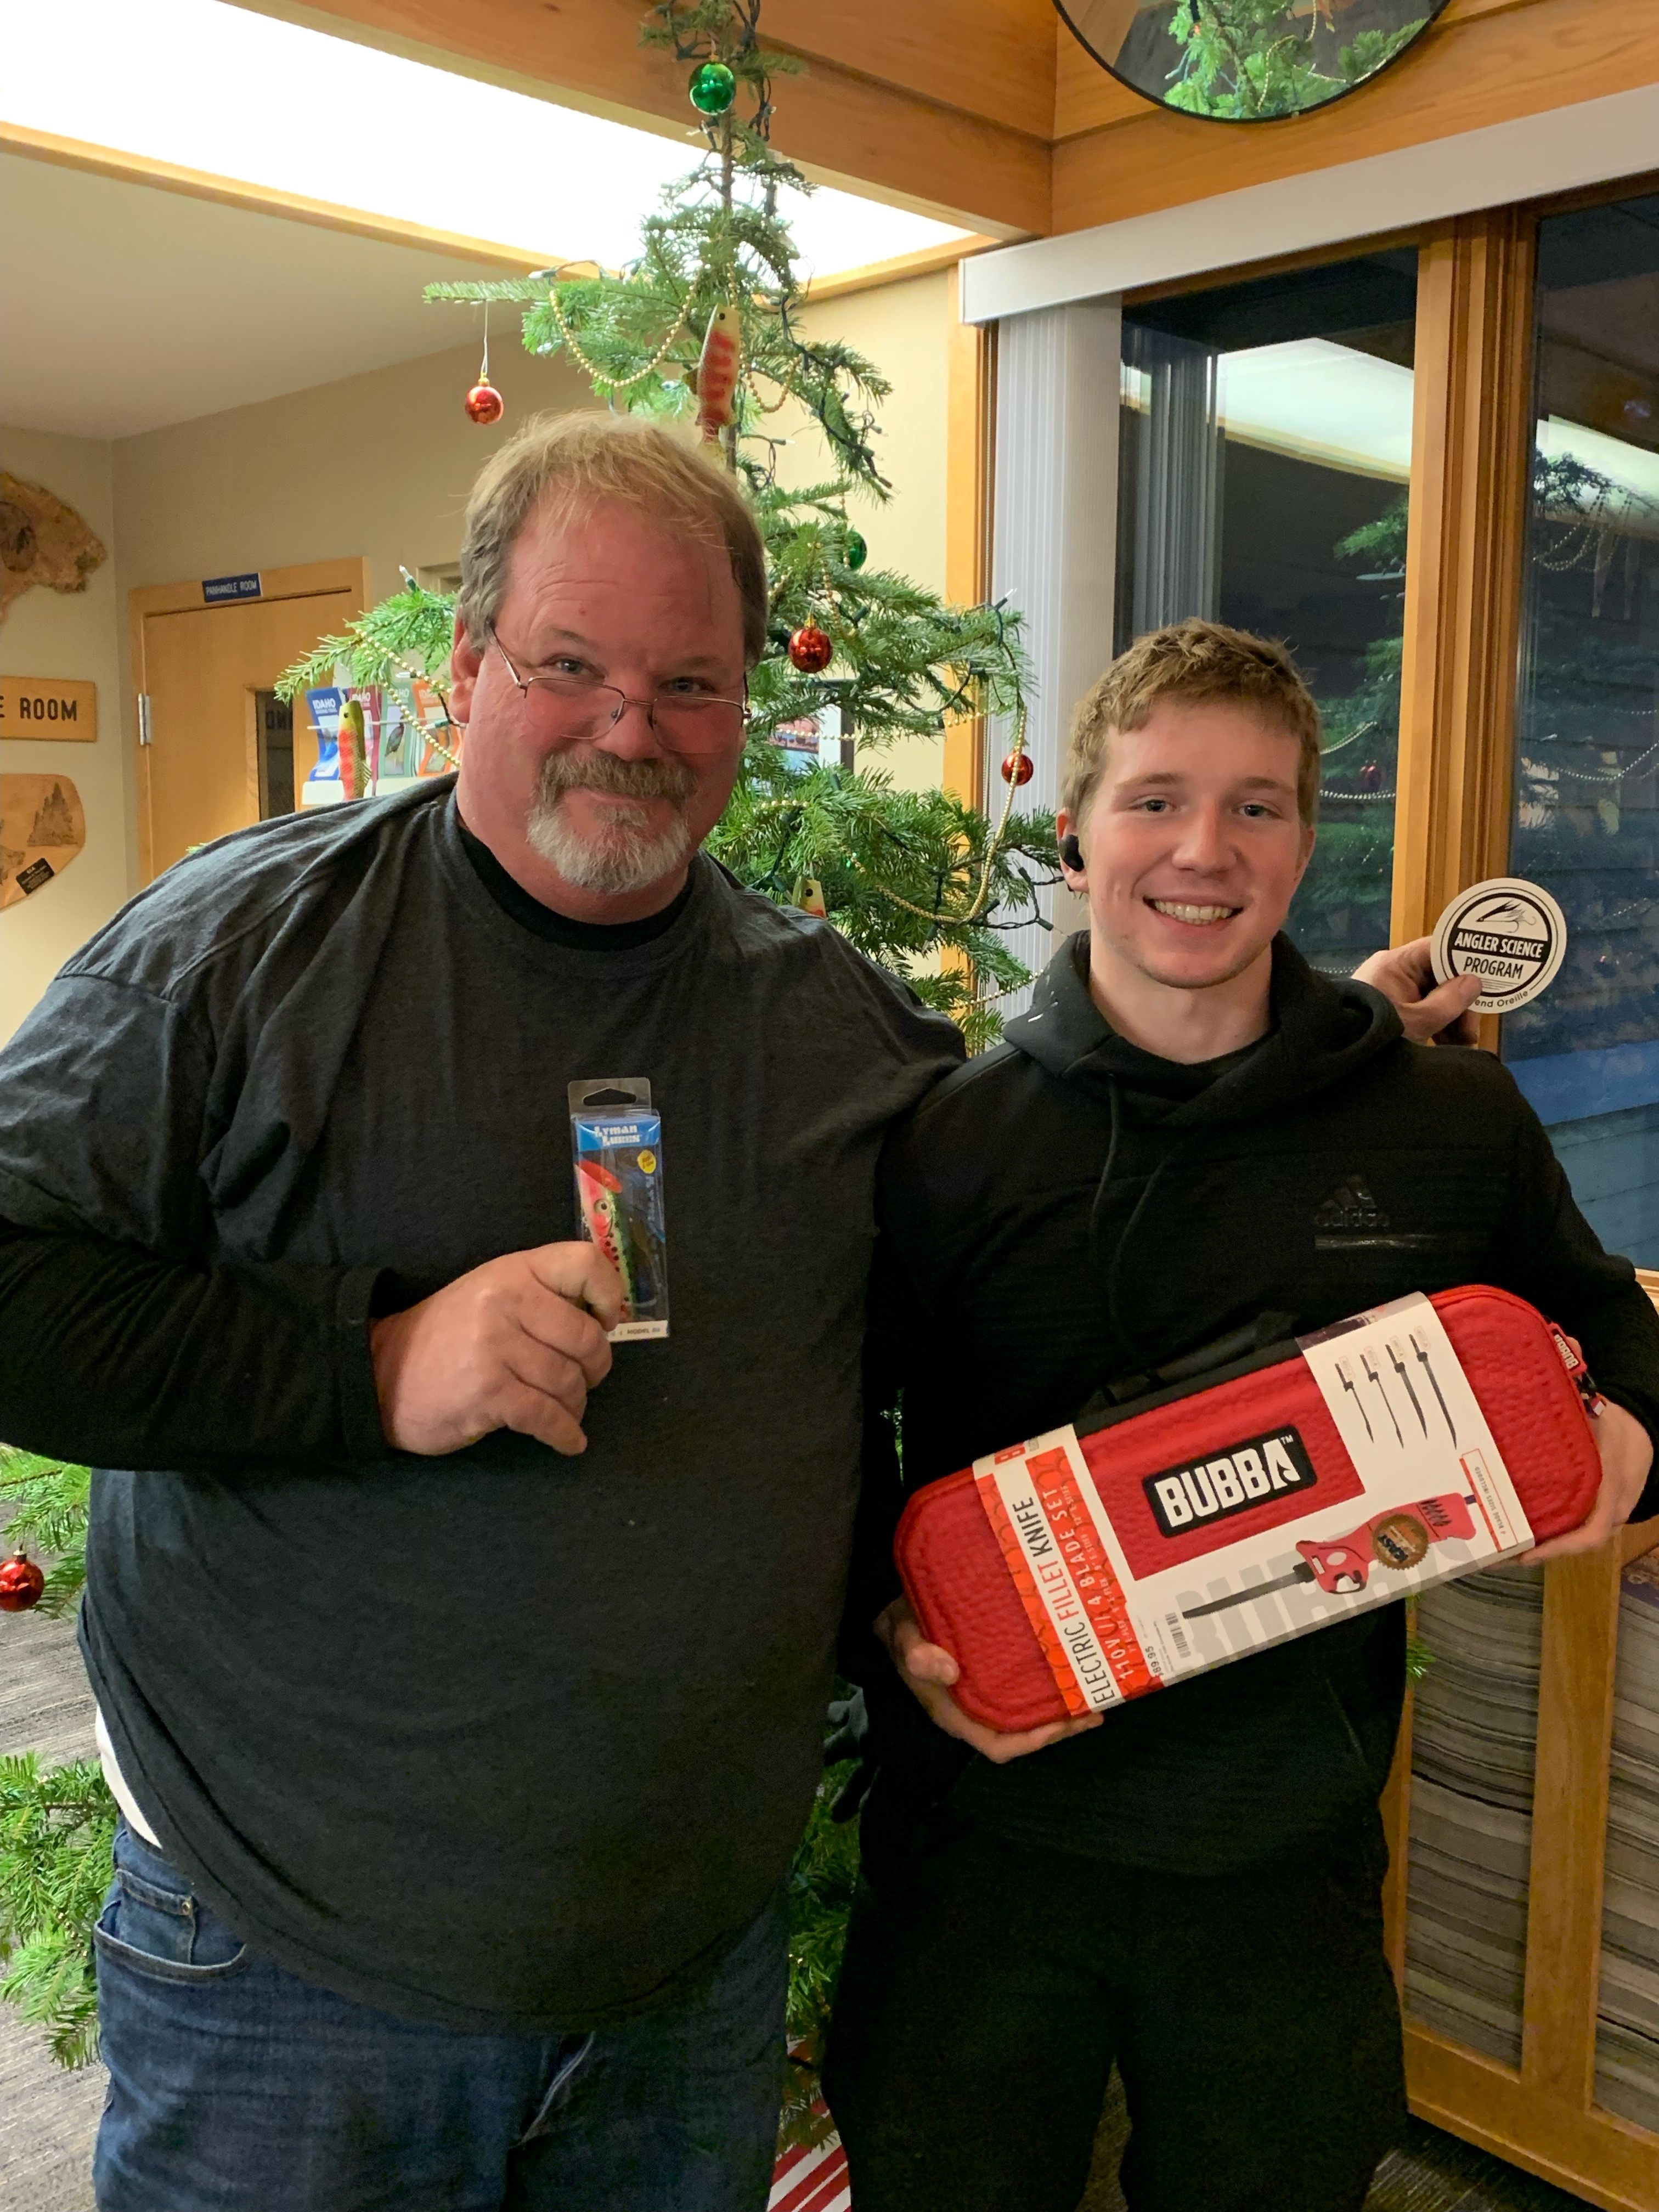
[1341,908]
[705,327]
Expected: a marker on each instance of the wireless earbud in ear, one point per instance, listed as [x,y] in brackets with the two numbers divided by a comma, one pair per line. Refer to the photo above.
[1071,853]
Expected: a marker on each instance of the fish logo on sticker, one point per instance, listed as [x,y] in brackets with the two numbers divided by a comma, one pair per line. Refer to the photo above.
[1510,933]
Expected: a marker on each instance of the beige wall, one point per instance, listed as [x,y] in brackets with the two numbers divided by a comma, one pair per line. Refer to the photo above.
[377,465]
[50,633]
[902,329]
[380,465]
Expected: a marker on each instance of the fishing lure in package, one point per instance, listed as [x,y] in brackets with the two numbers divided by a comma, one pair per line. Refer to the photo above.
[615,1146]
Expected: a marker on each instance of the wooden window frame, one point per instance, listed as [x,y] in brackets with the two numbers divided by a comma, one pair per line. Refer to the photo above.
[969,475]
[1473,435]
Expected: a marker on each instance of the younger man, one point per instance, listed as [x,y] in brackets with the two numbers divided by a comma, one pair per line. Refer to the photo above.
[1189,1130]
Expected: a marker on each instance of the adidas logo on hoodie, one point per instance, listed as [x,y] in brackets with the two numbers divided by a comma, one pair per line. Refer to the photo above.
[1351,1206]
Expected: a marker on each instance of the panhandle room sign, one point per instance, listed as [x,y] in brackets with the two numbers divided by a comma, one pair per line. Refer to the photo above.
[48,707]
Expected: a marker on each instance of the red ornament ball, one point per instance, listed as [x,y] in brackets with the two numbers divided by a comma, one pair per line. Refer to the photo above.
[1018,767]
[484,403]
[812,649]
[1369,777]
[21,1583]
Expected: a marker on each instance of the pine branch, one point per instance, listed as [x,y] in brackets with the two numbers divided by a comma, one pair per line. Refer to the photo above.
[411,633]
[56,1836]
[51,1502]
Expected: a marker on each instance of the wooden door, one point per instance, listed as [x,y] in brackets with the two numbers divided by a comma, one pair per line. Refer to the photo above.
[200,666]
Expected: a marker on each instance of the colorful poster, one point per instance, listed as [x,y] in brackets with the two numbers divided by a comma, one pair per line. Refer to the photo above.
[322,785]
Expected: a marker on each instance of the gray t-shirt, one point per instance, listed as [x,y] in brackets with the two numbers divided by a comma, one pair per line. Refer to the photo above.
[502,1740]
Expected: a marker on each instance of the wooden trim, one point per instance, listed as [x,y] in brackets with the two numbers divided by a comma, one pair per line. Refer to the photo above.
[1598,195]
[1471,439]
[1275,265]
[991,59]
[259,199]
[297,581]
[293,207]
[1592,2154]
[1465,73]
[927,261]
[1579,1654]
[970,428]
[942,106]
[254,761]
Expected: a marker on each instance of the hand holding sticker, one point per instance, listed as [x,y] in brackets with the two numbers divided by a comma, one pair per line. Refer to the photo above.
[1510,933]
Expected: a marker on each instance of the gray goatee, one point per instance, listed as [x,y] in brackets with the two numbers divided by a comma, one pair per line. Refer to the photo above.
[626,855]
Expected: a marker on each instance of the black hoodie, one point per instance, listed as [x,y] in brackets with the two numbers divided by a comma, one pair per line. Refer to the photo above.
[1068,1214]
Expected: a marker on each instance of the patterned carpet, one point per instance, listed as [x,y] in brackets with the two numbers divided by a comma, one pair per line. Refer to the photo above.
[48,2118]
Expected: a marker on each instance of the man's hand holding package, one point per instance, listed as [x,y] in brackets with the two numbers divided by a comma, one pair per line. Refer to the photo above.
[927,1671]
[515,1344]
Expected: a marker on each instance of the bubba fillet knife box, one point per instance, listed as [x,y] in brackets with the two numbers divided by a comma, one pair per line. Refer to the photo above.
[1394,1450]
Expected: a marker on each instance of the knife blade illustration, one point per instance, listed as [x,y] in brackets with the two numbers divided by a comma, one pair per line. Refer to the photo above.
[1345,1376]
[1423,1360]
[1368,1361]
[1397,1360]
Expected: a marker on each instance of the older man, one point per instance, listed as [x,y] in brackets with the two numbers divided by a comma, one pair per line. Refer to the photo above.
[460,1775]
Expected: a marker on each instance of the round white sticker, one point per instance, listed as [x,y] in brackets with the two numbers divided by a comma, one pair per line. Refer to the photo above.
[1509,933]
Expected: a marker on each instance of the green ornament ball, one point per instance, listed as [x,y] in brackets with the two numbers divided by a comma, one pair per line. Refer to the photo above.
[712,88]
[857,551]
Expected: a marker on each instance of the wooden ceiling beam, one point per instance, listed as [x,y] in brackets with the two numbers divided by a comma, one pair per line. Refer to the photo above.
[942,106]
[1486,61]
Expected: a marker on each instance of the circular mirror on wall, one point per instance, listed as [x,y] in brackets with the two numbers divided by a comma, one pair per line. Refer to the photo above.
[1247,61]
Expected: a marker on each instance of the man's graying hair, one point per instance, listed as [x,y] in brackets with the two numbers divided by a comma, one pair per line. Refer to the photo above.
[1196,662]
[578,461]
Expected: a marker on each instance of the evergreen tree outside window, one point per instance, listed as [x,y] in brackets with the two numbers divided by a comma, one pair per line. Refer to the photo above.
[1586,820]
[1263,465]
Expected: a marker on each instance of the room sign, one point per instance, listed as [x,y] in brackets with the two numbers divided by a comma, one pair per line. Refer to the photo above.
[217,591]
[57,707]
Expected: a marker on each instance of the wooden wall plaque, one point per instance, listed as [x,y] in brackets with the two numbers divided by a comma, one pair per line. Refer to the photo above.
[43,827]
[51,706]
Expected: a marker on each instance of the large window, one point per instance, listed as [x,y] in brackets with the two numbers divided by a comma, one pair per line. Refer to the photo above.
[1587,736]
[1266,450]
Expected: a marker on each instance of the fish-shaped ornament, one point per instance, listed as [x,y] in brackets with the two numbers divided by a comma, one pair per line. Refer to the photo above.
[719,366]
[601,1195]
[354,751]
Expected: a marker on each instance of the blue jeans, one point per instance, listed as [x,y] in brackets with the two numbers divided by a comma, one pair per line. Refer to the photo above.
[236,2086]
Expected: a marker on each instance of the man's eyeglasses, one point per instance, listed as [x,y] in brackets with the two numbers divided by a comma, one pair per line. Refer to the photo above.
[576,707]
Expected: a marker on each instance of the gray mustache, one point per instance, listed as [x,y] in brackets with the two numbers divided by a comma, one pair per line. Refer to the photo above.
[628,779]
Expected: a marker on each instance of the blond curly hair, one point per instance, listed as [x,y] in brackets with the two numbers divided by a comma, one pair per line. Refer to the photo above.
[1195,661]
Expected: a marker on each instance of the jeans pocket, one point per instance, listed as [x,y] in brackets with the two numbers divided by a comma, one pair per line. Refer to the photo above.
[154,1923]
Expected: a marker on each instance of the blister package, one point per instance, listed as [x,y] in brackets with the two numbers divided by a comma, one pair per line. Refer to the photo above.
[615,1147]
